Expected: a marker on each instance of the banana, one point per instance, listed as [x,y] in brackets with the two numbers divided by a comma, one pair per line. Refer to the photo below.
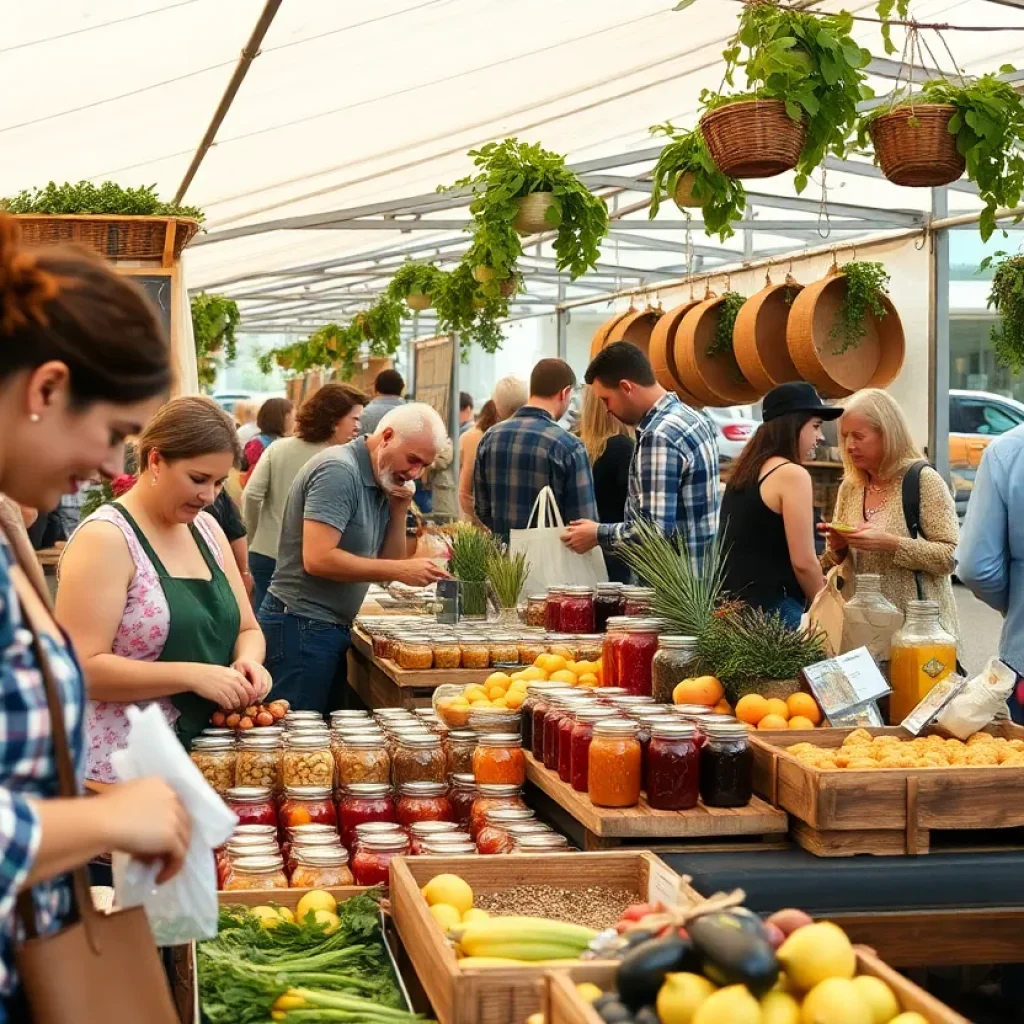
[529,929]
[531,951]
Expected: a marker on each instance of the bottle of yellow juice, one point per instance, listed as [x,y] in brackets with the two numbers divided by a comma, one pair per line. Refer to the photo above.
[923,654]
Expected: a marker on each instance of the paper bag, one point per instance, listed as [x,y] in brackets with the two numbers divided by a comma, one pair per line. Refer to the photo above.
[185,908]
[551,562]
[826,613]
[982,700]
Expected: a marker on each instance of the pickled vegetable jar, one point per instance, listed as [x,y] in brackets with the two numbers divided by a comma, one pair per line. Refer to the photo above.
[419,758]
[447,653]
[489,798]
[672,777]
[414,653]
[579,749]
[372,859]
[308,760]
[634,655]
[423,801]
[613,773]
[726,766]
[615,631]
[475,653]
[214,756]
[321,868]
[254,805]
[307,805]
[608,603]
[365,801]
[576,610]
[504,650]
[498,758]
[362,757]
[671,665]
[922,654]
[251,873]
[462,793]
[423,830]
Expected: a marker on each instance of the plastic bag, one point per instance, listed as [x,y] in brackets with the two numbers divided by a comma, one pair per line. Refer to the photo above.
[982,700]
[185,908]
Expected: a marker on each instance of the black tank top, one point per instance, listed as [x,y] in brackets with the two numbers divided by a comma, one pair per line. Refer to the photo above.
[757,565]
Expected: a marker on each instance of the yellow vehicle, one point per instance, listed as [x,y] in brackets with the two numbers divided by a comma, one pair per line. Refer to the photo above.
[975,418]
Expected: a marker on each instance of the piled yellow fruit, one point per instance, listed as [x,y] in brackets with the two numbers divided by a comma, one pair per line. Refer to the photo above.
[861,750]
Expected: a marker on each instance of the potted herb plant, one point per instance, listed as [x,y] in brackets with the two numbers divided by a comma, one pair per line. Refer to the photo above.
[471,552]
[804,78]
[417,283]
[214,319]
[1007,298]
[507,574]
[686,173]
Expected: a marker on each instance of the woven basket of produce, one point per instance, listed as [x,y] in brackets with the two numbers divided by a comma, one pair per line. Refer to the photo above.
[113,237]
[914,145]
[753,138]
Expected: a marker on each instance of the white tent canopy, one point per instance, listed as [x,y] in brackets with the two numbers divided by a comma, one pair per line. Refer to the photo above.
[359,111]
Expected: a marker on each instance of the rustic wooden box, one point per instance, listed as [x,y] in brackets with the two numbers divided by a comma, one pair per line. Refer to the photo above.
[501,995]
[563,1005]
[883,810]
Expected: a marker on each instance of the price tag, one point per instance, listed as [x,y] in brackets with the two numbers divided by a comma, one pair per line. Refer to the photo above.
[663,885]
[846,683]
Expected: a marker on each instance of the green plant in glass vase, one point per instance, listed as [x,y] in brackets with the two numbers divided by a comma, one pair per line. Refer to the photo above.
[1007,298]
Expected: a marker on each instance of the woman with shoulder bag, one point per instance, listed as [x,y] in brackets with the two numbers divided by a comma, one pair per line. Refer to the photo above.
[83,364]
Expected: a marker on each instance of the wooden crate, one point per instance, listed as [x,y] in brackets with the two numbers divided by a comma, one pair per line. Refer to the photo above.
[606,827]
[501,995]
[883,811]
[564,1005]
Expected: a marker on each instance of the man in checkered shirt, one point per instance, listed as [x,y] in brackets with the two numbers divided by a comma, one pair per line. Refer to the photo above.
[530,451]
[673,475]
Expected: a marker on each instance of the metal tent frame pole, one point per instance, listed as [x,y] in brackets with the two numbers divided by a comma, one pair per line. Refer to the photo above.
[938,385]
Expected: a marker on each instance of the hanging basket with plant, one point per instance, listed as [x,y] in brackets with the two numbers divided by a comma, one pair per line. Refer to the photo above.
[1007,299]
[214,319]
[416,283]
[804,78]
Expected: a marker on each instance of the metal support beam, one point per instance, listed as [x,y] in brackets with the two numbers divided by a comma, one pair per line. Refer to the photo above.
[562,341]
[866,170]
[888,218]
[938,398]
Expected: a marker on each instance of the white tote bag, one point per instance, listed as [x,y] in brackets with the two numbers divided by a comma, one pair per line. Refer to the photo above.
[551,562]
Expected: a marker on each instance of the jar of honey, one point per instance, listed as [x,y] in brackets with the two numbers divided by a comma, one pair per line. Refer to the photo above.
[614,772]
[922,654]
[498,758]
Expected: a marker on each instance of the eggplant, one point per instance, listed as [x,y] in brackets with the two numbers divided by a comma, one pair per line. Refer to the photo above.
[729,954]
[615,1013]
[749,921]
[642,970]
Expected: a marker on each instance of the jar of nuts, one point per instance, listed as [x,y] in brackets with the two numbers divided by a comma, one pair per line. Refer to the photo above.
[535,605]
[214,756]
[504,650]
[308,761]
[415,653]
[362,757]
[259,761]
[419,758]
[447,653]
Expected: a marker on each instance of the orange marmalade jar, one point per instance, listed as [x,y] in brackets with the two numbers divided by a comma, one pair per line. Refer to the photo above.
[614,772]
[498,759]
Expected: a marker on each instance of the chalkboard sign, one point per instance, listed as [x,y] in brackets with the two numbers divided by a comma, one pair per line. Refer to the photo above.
[158,289]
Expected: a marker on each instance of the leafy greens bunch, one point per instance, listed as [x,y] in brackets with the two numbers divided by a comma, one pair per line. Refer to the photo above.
[86,197]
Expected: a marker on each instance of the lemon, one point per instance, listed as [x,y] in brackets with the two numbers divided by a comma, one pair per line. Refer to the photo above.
[475,914]
[328,918]
[680,996]
[835,1001]
[589,991]
[879,997]
[734,1005]
[286,915]
[817,952]
[910,1017]
[779,1008]
[449,889]
[445,915]
[267,916]
[315,899]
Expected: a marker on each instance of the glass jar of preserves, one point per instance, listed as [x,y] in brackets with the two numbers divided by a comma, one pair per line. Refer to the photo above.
[608,603]
[495,720]
[448,846]
[423,830]
[557,710]
[637,601]
[634,655]
[535,611]
[493,838]
[613,772]
[726,766]
[375,828]
[253,805]
[498,758]
[319,841]
[423,801]
[307,760]
[579,743]
[504,650]
[267,831]
[223,733]
[489,798]
[591,646]
[321,868]
[346,716]
[475,653]
[415,653]
[531,648]
[672,663]
[307,805]
[542,704]
[295,718]
[565,645]
[922,654]
[419,758]
[214,756]
[563,764]
[361,757]
[380,644]
[251,873]
[372,860]
[672,775]
[362,802]
[251,846]
[459,747]
[553,610]
[615,630]
[462,793]
[541,842]
[576,610]
[447,652]
[533,694]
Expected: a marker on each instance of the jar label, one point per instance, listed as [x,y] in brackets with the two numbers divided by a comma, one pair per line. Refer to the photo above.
[933,668]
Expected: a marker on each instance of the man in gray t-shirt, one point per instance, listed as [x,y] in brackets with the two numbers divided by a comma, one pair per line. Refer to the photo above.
[343,528]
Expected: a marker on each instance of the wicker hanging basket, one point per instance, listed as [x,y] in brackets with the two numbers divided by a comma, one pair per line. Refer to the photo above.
[683,195]
[753,138]
[418,302]
[714,380]
[601,334]
[532,216]
[113,237]
[662,352]
[914,146]
[874,362]
[759,336]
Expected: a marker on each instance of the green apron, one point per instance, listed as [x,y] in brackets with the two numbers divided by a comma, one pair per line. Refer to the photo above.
[204,621]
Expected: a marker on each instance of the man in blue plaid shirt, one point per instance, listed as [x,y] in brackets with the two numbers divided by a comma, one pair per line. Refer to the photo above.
[673,476]
[530,451]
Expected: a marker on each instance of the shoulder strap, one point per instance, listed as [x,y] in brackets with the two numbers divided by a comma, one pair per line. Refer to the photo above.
[912,497]
[772,470]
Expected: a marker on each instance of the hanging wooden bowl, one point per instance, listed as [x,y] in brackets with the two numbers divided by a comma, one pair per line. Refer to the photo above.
[759,336]
[874,362]
[753,138]
[914,146]
[714,380]
[601,334]
[636,328]
[662,351]
[532,217]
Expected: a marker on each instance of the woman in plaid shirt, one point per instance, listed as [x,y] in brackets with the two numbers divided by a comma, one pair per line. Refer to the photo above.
[83,363]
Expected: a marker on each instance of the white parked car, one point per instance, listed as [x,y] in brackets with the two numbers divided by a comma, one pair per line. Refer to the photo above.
[734,427]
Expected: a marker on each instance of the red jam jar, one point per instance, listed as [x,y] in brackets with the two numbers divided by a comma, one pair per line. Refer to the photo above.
[253,805]
[363,801]
[461,794]
[490,798]
[534,692]
[582,734]
[726,766]
[637,601]
[565,727]
[557,710]
[421,831]
[576,614]
[615,630]
[541,707]
[492,838]
[634,654]
[375,828]
[423,801]
[372,859]
[672,775]
[553,610]
[309,842]
[608,604]
[307,805]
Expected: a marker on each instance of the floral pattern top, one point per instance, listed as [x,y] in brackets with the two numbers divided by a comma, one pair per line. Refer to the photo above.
[142,634]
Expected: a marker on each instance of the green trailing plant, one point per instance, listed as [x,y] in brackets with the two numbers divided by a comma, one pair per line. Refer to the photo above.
[1007,299]
[466,309]
[507,573]
[722,199]
[721,341]
[87,197]
[866,285]
[214,319]
[885,10]
[989,129]
[416,279]
[511,170]
[809,61]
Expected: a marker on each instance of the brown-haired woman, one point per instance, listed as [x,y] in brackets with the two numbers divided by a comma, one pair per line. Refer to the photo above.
[83,363]
[768,507]
[150,592]
[329,416]
[276,419]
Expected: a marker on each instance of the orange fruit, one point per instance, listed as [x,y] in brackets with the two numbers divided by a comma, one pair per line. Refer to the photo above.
[800,722]
[751,708]
[723,707]
[773,722]
[494,692]
[588,679]
[777,706]
[804,705]
[563,676]
[705,690]
[514,699]
[501,703]
[551,662]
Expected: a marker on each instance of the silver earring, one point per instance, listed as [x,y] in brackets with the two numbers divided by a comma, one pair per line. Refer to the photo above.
[34,418]
[152,483]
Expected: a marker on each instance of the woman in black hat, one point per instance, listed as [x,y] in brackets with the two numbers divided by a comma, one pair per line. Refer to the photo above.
[768,507]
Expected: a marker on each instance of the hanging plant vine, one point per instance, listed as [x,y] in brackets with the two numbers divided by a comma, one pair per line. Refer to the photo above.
[1007,299]
[866,285]
[214,319]
[721,341]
